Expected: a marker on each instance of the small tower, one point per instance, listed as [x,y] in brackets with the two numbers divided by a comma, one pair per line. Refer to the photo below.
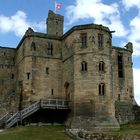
[54,24]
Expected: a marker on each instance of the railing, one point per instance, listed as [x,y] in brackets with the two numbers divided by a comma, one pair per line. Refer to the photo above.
[30,110]
[4,118]
[44,104]
[20,115]
[54,104]
[12,120]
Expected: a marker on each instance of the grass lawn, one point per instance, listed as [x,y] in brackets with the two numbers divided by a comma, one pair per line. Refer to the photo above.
[126,130]
[35,133]
[58,132]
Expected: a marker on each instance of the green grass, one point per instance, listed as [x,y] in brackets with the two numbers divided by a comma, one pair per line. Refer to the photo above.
[58,132]
[129,130]
[35,133]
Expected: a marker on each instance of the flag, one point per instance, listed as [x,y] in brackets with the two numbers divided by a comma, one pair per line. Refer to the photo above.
[57,5]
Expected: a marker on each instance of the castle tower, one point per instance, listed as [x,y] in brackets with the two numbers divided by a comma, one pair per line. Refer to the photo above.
[54,24]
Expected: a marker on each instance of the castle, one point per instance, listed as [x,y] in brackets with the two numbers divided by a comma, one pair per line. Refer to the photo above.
[80,66]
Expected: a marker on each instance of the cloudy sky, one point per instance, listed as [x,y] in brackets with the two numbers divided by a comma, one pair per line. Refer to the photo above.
[122,16]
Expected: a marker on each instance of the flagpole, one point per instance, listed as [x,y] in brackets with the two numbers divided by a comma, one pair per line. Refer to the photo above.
[55,7]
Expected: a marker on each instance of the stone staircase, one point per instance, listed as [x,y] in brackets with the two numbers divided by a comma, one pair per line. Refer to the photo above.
[9,119]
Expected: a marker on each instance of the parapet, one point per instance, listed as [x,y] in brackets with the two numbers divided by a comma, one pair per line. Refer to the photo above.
[52,15]
[129,46]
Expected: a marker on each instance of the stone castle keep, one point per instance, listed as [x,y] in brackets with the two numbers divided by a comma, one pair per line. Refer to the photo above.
[80,67]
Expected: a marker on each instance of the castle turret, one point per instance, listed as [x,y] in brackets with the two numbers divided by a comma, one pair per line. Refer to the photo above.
[54,24]
[129,46]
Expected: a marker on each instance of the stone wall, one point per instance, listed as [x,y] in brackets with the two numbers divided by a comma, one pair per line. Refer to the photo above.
[136,110]
[124,112]
[8,95]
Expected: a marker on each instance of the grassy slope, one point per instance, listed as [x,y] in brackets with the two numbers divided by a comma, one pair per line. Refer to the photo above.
[35,133]
[57,132]
[129,130]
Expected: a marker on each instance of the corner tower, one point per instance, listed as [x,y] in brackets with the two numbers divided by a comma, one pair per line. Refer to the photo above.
[54,24]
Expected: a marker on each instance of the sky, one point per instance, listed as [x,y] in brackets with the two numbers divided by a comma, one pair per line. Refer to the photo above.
[121,16]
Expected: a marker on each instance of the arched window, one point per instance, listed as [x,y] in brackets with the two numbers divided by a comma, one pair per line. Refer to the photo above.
[33,46]
[84,66]
[101,66]
[101,89]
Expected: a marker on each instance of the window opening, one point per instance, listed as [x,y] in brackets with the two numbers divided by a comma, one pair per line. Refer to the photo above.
[47,70]
[50,48]
[101,66]
[33,47]
[84,66]
[120,66]
[52,91]
[12,77]
[100,40]
[102,89]
[84,40]
[28,75]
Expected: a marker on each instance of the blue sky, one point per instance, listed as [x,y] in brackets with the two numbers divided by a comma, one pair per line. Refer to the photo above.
[123,16]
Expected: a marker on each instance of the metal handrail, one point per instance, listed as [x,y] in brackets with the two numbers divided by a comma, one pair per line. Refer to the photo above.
[50,103]
[31,109]
[58,103]
[4,117]
[22,114]
[12,120]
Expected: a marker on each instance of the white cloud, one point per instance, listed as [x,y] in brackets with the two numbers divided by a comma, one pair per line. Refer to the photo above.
[134,34]
[131,3]
[136,73]
[107,15]
[18,23]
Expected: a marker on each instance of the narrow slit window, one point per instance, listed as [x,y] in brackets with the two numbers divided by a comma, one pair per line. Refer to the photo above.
[52,91]
[33,46]
[120,66]
[12,76]
[28,75]
[102,89]
[84,66]
[101,66]
[47,70]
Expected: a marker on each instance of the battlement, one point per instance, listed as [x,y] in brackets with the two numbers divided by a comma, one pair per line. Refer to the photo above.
[54,24]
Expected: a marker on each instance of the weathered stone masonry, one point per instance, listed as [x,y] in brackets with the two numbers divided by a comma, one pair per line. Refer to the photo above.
[81,66]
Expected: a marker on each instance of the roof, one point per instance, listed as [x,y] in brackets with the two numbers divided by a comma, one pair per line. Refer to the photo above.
[87,26]
[121,49]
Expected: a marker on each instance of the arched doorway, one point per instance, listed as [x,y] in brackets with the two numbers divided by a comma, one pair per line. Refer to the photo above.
[67,92]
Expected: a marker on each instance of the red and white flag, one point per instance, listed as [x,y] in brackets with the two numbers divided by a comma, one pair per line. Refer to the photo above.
[57,5]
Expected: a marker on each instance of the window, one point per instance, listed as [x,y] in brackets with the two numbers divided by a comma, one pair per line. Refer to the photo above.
[120,66]
[47,70]
[84,66]
[52,91]
[33,47]
[50,48]
[100,40]
[119,97]
[12,76]
[102,89]
[101,66]
[28,75]
[84,40]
